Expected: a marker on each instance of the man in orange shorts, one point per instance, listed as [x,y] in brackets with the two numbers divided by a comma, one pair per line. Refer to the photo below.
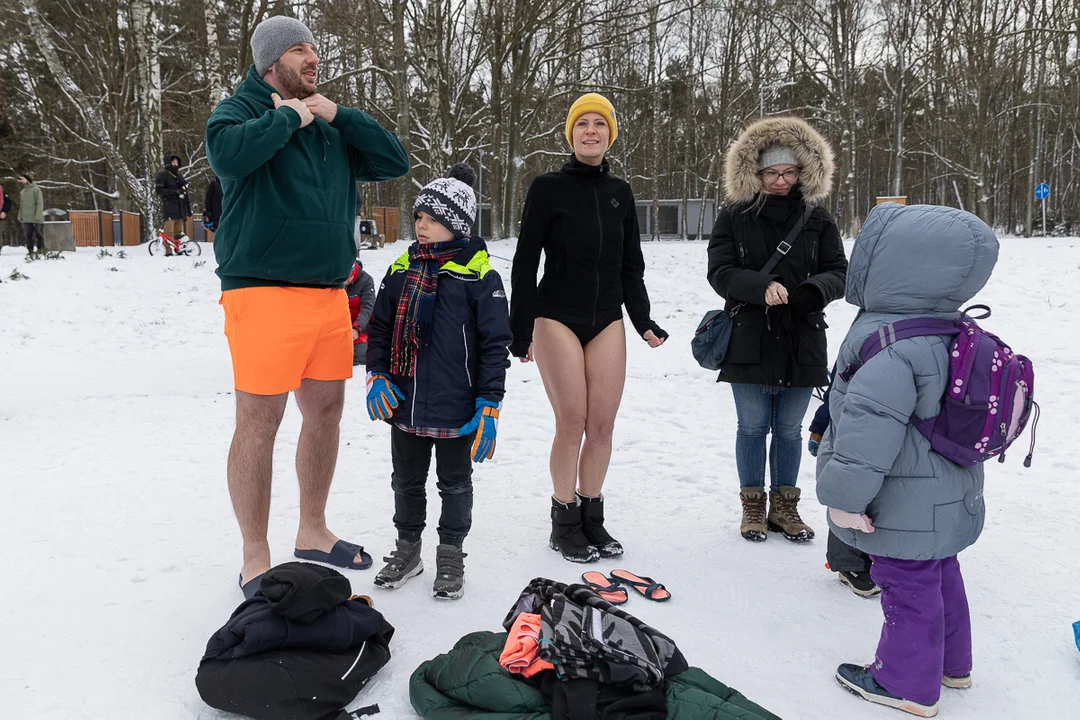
[288,160]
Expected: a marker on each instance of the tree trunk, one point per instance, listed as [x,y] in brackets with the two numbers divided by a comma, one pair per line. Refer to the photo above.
[88,111]
[144,22]
[213,54]
[653,103]
[401,95]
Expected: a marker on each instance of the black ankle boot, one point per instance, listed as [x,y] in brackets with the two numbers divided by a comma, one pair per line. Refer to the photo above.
[567,534]
[592,521]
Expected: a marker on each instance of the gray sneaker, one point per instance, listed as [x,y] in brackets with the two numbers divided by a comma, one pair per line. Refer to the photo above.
[449,572]
[404,563]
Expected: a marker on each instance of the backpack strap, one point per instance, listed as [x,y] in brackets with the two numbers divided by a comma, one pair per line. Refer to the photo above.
[893,332]
[358,713]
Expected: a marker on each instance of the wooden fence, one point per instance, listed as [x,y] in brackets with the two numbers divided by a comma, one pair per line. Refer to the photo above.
[386,222]
[97,228]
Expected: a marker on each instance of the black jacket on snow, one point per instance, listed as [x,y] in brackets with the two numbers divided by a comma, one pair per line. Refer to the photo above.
[784,345]
[301,648]
[171,187]
[585,220]
[301,606]
[212,203]
[464,358]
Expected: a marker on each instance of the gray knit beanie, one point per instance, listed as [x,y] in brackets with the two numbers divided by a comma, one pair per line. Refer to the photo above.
[777,155]
[273,36]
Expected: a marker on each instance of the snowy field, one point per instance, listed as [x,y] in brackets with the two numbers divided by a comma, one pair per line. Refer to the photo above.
[117,412]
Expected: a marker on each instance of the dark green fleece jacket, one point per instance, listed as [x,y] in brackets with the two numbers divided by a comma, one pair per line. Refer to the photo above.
[290,192]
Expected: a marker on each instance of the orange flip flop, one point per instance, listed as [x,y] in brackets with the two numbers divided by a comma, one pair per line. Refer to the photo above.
[644,585]
[605,588]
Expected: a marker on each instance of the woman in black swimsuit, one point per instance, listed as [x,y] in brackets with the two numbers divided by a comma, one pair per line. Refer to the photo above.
[585,221]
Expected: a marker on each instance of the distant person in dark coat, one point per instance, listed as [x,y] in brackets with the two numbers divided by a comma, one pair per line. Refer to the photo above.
[361,291]
[171,187]
[212,205]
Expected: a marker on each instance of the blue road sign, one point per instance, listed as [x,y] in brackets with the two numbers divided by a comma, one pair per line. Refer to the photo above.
[1042,191]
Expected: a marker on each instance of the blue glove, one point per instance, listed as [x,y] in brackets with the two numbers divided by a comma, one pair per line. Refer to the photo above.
[813,444]
[485,424]
[382,396]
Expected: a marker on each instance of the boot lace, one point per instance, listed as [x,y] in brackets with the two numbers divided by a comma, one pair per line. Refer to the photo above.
[754,509]
[789,508]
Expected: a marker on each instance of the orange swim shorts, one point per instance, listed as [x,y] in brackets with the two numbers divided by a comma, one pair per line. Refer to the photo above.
[280,335]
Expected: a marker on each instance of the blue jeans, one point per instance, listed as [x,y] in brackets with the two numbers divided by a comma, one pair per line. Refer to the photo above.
[759,412]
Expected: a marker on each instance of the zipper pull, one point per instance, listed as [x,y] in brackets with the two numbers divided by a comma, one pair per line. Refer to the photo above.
[1034,426]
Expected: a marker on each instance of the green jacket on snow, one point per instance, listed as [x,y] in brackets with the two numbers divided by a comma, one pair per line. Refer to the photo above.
[468,682]
[289,201]
[31,205]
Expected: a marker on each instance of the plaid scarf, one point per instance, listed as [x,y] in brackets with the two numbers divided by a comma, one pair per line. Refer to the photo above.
[416,306]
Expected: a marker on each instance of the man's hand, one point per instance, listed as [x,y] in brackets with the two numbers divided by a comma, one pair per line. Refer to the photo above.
[322,107]
[301,109]
[3,216]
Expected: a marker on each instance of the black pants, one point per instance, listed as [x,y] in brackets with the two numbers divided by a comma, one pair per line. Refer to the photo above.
[844,558]
[34,233]
[411,456]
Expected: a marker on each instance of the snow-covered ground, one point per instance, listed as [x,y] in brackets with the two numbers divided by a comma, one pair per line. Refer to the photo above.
[122,551]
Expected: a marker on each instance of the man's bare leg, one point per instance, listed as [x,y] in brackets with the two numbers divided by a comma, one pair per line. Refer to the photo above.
[321,402]
[250,471]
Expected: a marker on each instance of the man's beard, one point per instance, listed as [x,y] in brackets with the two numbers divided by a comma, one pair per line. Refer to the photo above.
[292,82]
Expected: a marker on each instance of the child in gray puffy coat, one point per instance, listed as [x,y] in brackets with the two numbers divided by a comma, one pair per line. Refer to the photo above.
[888,493]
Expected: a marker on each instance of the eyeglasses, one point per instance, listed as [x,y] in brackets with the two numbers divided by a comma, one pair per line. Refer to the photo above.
[771,176]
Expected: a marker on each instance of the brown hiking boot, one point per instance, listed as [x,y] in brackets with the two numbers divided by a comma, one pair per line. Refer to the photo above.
[784,514]
[753,514]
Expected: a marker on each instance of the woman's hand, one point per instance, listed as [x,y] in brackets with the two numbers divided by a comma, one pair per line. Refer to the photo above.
[776,294]
[652,339]
[528,356]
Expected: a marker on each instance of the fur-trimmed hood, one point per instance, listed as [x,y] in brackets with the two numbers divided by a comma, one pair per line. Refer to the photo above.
[813,152]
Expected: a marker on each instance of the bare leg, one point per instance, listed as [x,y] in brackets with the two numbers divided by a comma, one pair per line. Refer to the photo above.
[605,376]
[250,471]
[561,361]
[321,403]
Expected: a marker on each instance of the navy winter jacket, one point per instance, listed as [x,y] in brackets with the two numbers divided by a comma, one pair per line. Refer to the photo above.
[820,423]
[466,356]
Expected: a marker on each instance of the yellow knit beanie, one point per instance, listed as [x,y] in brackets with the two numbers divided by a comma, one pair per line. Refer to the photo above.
[587,104]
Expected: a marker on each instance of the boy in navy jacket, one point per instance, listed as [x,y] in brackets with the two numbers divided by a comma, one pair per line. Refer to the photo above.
[437,359]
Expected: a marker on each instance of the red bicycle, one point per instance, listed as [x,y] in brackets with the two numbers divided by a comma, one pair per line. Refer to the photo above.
[182,245]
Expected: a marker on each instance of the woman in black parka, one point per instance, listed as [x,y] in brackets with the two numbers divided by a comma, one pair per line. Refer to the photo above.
[775,170]
[584,220]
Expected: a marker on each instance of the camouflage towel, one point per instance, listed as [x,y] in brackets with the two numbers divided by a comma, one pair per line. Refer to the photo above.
[586,637]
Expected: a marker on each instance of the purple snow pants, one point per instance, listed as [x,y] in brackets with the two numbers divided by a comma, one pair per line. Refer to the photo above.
[927,630]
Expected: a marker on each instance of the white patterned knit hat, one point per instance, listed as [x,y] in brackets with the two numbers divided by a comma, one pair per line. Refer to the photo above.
[451,200]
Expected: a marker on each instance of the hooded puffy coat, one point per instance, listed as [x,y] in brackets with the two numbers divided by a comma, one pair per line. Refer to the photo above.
[918,261]
[468,682]
[782,345]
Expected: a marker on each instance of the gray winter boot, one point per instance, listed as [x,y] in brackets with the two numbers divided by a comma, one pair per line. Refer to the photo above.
[404,563]
[449,573]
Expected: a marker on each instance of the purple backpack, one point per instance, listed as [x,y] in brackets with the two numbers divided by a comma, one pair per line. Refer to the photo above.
[991,391]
